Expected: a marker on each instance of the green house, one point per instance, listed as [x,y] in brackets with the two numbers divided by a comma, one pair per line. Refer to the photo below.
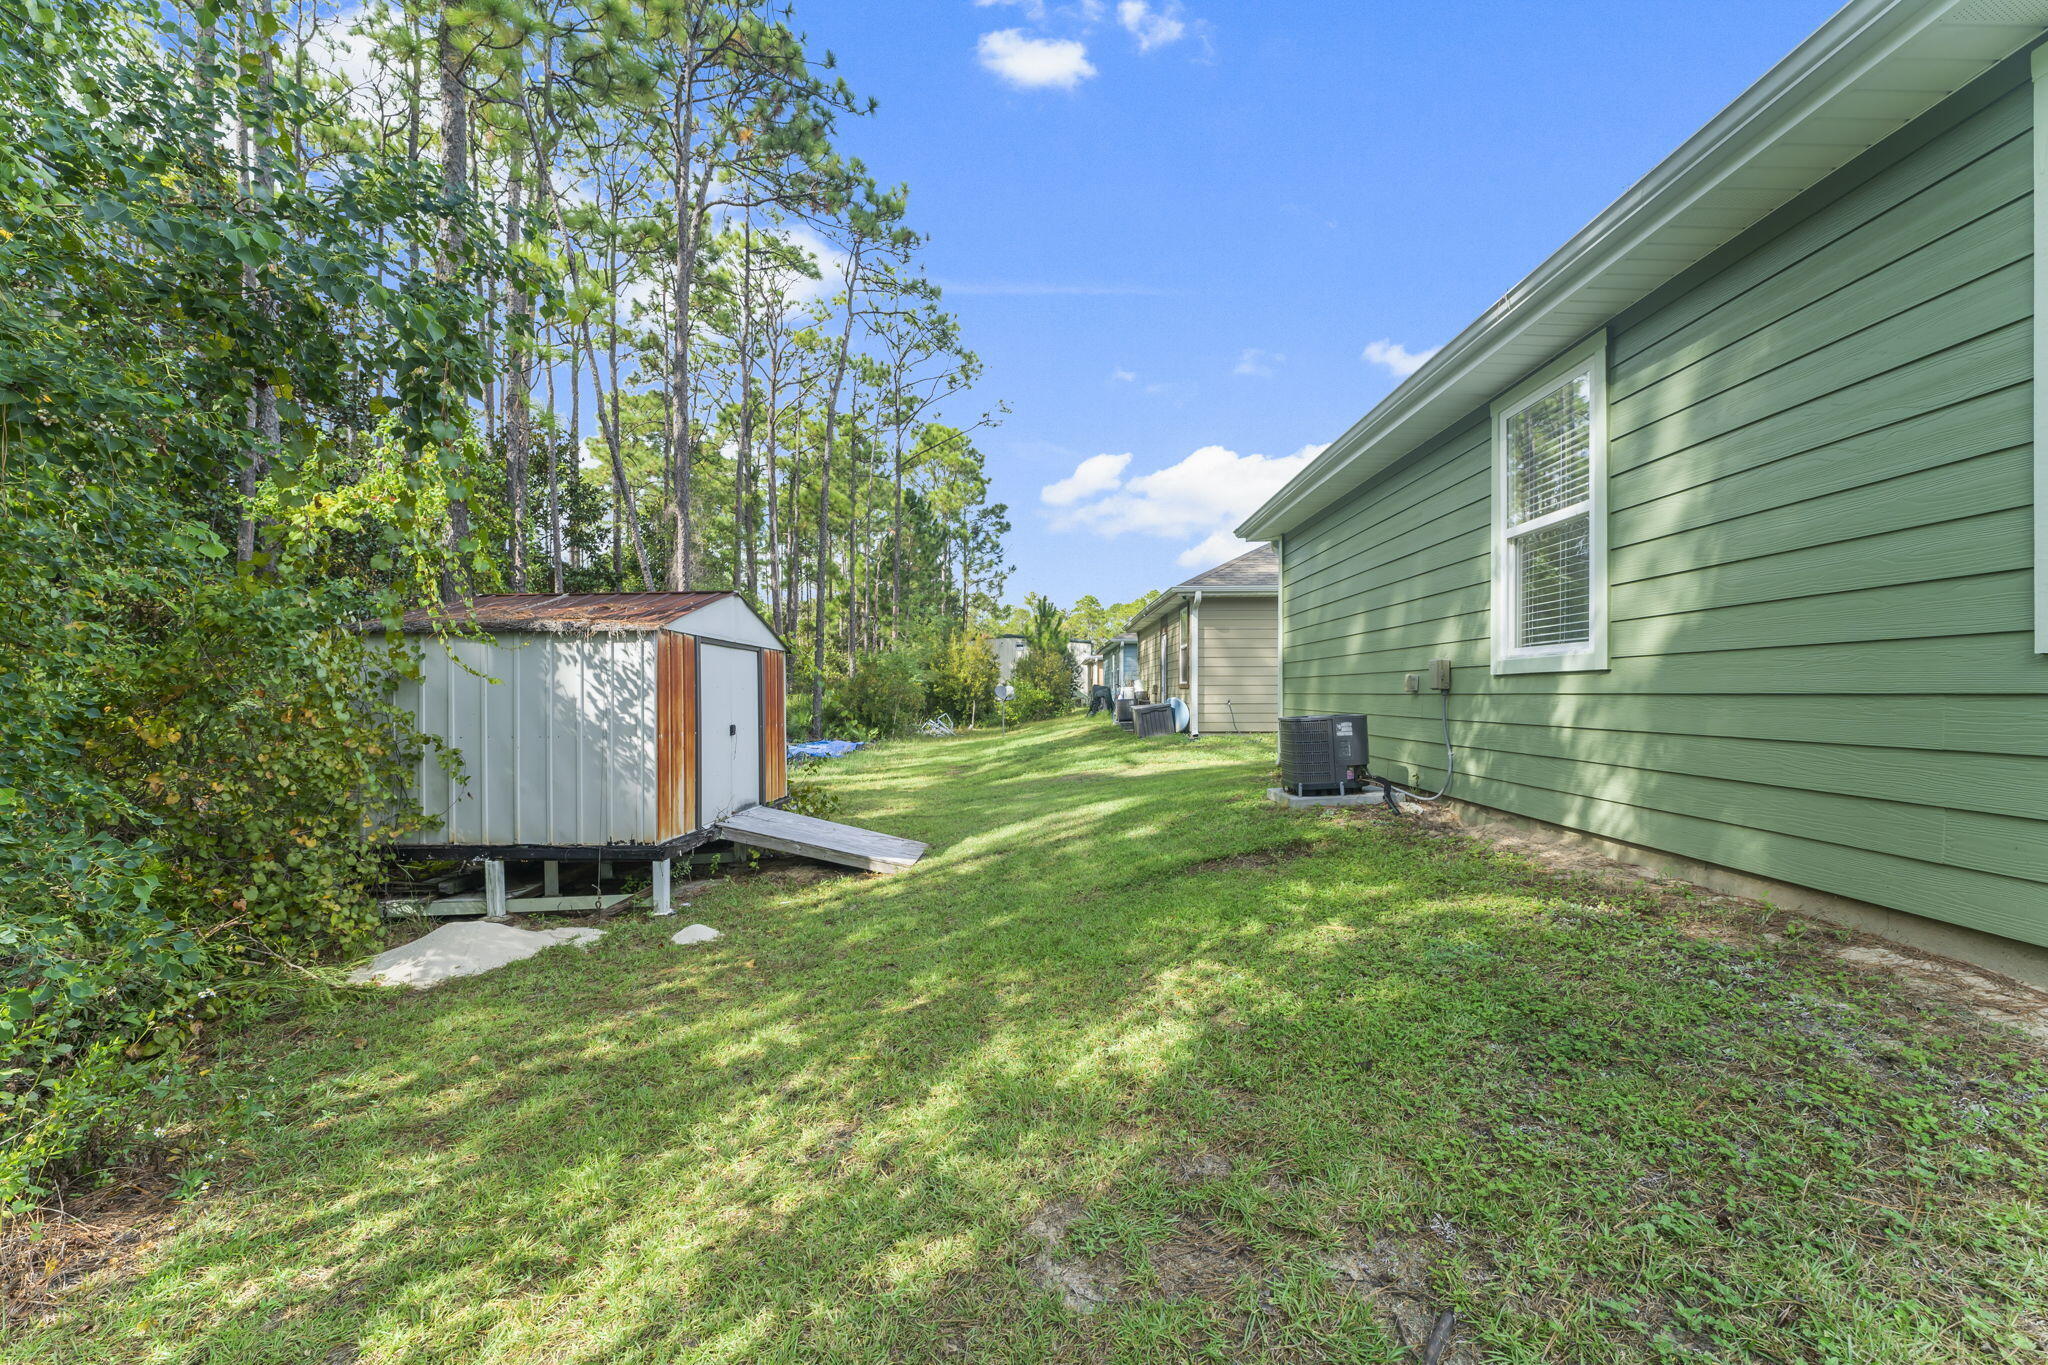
[1729,517]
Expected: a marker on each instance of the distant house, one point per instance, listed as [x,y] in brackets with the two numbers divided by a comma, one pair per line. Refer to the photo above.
[1082,652]
[1733,516]
[1008,650]
[1117,662]
[1213,642]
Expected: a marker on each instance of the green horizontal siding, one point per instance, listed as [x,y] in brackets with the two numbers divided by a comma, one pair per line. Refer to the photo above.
[1820,559]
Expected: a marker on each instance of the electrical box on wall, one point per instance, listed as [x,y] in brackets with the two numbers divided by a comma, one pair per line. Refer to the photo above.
[1412,683]
[1439,675]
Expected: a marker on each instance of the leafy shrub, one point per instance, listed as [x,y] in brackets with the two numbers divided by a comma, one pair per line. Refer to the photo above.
[205,766]
[1044,680]
[962,678]
[807,796]
[885,696]
[100,990]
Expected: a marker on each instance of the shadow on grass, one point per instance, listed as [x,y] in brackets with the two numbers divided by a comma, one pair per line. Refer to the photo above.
[821,1137]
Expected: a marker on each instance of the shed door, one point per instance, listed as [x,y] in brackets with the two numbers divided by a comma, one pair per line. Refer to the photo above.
[728,730]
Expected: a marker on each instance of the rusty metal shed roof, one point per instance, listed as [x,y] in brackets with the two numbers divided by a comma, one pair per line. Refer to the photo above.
[565,612]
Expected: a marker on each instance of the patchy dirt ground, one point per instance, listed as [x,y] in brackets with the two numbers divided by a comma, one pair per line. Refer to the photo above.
[1200,1259]
[44,1255]
[1925,975]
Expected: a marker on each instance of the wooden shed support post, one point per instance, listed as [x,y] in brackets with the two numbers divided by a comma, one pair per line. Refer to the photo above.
[551,878]
[494,888]
[661,899]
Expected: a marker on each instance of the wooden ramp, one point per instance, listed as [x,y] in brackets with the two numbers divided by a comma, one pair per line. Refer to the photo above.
[787,832]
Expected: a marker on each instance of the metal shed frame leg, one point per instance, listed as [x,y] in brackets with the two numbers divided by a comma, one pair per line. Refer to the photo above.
[661,888]
[494,888]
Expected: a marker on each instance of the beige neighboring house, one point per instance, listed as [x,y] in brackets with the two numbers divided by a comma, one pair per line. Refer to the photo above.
[1009,649]
[1214,642]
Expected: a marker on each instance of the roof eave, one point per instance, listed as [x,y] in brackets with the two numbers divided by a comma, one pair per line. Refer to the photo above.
[1175,595]
[1701,180]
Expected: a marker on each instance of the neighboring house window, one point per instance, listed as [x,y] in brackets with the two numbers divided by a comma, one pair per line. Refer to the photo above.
[1550,519]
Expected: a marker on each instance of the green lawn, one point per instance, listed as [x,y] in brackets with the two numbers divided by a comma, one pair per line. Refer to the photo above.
[1135,1067]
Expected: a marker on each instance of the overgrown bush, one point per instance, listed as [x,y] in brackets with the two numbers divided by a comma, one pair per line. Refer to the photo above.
[1044,680]
[195,747]
[98,986]
[205,766]
[885,696]
[962,678]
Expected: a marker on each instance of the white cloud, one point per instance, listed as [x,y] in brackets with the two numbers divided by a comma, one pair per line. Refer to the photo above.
[1252,360]
[1151,27]
[829,260]
[1218,547]
[1121,375]
[1199,498]
[345,50]
[1395,358]
[1095,475]
[1035,63]
[1087,11]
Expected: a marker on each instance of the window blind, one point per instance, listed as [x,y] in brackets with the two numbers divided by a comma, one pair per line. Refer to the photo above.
[1549,477]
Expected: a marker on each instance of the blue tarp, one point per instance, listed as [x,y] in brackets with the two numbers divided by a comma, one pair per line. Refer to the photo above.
[824,748]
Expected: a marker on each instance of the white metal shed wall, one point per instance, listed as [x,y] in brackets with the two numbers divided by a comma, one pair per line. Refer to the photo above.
[559,749]
[731,620]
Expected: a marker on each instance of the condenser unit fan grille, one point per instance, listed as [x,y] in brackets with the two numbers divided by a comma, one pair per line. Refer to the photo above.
[1322,753]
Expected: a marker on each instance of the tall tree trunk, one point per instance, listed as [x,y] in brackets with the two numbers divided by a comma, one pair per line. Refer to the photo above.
[261,181]
[518,379]
[555,467]
[622,492]
[774,542]
[743,528]
[455,184]
[840,361]
[683,115]
[896,526]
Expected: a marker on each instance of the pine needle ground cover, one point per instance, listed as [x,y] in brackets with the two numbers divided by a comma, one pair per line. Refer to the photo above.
[1134,1067]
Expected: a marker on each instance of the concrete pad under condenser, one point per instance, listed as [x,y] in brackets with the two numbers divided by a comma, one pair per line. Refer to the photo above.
[465,948]
[1280,796]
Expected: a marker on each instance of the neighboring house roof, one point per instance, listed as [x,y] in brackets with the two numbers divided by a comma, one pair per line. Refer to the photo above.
[1256,570]
[1867,72]
[1251,574]
[567,612]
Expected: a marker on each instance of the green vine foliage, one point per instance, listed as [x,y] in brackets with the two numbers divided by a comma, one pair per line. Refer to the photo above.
[196,754]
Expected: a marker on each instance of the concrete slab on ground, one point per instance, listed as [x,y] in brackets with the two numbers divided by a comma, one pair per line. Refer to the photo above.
[1280,796]
[465,948]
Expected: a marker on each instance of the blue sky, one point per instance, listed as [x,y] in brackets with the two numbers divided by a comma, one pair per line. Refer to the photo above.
[1173,231]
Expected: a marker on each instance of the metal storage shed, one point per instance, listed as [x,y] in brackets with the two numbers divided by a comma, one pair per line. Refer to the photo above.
[621,726]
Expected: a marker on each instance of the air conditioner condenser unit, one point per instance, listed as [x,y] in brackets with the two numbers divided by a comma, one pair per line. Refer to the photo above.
[1320,755]
[1153,719]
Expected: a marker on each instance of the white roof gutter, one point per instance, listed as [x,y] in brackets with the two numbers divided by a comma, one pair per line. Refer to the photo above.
[1870,70]
[1173,595]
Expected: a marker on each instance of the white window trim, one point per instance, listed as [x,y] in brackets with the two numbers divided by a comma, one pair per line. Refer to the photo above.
[1589,360]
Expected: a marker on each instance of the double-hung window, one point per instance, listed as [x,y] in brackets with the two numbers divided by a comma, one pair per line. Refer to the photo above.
[1550,519]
